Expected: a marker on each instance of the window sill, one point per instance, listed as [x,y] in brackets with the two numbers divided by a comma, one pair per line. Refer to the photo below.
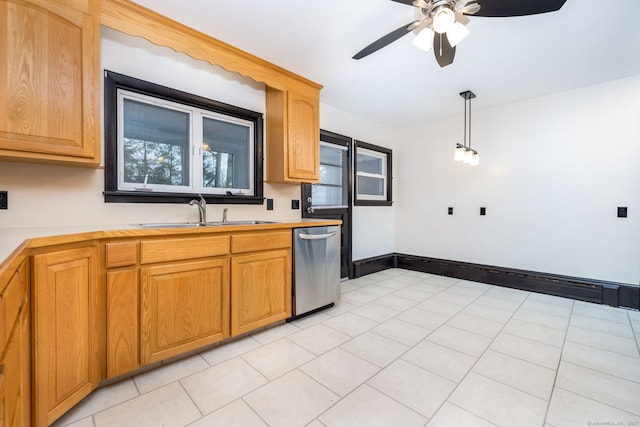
[372,203]
[158,197]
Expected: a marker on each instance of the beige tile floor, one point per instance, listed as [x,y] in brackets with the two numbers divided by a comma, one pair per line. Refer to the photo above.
[401,349]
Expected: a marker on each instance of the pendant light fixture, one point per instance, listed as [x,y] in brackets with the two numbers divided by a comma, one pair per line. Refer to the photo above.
[464,153]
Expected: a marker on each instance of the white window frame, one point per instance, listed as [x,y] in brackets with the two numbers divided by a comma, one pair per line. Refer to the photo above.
[382,176]
[195,147]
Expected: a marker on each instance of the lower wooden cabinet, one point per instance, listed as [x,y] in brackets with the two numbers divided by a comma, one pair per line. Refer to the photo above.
[260,289]
[15,358]
[66,316]
[123,322]
[184,306]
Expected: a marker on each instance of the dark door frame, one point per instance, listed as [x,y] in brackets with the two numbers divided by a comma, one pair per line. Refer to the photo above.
[345,214]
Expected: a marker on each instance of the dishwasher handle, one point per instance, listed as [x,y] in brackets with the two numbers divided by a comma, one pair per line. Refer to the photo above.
[305,236]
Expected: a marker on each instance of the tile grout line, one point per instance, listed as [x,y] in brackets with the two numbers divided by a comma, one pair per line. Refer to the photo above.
[601,403]
[555,377]
[202,415]
[633,332]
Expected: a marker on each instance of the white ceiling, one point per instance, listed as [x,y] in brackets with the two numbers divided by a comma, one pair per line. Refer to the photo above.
[503,60]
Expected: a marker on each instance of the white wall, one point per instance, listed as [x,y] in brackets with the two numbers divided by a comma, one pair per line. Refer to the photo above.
[552,172]
[373,226]
[46,195]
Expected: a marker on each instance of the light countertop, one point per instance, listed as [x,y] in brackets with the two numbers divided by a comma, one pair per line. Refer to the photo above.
[14,238]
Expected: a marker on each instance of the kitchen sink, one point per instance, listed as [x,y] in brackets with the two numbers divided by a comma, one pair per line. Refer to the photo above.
[197,224]
[171,225]
[250,222]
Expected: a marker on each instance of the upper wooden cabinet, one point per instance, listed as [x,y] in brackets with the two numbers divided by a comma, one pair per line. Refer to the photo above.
[293,135]
[49,92]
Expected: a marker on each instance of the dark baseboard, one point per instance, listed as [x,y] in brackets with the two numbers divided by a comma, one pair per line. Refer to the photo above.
[597,291]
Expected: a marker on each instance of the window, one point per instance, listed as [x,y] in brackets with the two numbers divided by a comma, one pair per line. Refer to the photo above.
[332,190]
[373,175]
[163,145]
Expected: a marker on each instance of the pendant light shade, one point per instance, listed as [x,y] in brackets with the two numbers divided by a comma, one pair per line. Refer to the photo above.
[475,159]
[458,155]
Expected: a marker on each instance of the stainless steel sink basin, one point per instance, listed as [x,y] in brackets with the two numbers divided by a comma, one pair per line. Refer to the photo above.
[171,225]
[249,222]
[196,224]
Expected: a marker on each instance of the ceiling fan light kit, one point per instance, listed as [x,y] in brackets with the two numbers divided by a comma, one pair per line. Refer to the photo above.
[463,153]
[424,39]
[447,20]
[443,18]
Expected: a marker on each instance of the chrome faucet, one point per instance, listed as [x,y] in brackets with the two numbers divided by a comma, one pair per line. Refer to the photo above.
[224,215]
[202,209]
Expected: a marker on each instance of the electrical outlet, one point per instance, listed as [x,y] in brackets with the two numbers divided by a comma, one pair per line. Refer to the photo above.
[450,211]
[269,204]
[622,211]
[4,199]
[483,211]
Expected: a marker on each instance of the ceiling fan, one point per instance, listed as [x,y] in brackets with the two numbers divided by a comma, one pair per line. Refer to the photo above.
[441,24]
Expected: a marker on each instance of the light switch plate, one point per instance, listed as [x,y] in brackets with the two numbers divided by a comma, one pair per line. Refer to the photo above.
[4,203]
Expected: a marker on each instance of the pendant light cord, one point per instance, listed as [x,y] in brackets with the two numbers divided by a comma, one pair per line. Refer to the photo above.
[465,126]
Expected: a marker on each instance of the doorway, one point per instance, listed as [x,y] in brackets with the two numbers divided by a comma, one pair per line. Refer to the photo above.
[331,197]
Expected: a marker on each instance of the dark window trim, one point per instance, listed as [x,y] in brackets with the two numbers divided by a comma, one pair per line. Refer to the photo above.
[382,150]
[114,81]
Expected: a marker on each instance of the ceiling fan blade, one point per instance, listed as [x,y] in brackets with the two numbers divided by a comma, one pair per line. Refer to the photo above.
[461,18]
[504,8]
[385,40]
[442,50]
[409,2]
[471,9]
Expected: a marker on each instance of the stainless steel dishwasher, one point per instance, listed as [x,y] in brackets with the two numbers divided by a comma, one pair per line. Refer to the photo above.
[316,264]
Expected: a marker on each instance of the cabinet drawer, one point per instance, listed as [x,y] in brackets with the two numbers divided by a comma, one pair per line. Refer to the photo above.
[177,249]
[260,241]
[121,254]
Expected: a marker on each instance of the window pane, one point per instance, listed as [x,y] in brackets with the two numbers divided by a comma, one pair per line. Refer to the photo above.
[226,154]
[332,155]
[369,186]
[369,164]
[333,187]
[156,144]
[330,175]
[323,195]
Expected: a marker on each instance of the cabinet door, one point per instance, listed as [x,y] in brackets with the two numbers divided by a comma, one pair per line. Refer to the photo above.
[122,322]
[184,306]
[15,350]
[293,135]
[303,137]
[49,81]
[15,387]
[260,289]
[66,364]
